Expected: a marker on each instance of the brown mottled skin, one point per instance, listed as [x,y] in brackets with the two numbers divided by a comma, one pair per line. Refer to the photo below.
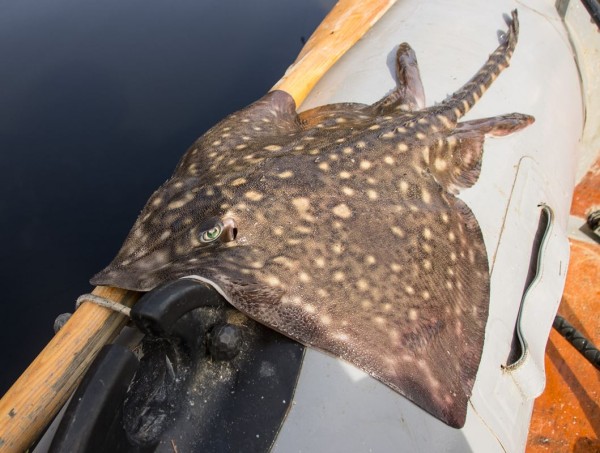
[349,237]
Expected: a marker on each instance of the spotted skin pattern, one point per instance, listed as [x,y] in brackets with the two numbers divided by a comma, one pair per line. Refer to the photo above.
[350,238]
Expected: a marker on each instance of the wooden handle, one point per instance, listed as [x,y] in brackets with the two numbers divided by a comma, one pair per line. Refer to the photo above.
[346,23]
[47,383]
[31,403]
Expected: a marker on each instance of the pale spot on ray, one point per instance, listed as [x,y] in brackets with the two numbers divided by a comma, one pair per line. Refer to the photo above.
[241,146]
[319,262]
[388,160]
[347,150]
[342,210]
[427,233]
[181,202]
[374,127]
[285,174]
[302,204]
[370,260]
[372,194]
[304,277]
[440,164]
[413,314]
[365,165]
[325,319]
[361,144]
[310,308]
[347,191]
[238,181]
[387,135]
[252,195]
[284,261]
[425,196]
[322,293]
[379,320]
[345,175]
[303,229]
[323,166]
[337,248]
[398,231]
[402,147]
[339,276]
[362,285]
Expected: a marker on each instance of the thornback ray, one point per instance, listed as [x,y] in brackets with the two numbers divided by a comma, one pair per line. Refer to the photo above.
[340,228]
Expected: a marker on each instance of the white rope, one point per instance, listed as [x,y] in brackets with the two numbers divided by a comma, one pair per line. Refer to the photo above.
[103,302]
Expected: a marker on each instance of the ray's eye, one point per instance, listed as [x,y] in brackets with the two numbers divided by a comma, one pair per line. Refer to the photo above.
[225,230]
[212,234]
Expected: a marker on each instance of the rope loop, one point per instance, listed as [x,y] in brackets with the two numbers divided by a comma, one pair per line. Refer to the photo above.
[103,302]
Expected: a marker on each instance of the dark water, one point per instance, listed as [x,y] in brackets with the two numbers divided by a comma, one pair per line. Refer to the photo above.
[98,100]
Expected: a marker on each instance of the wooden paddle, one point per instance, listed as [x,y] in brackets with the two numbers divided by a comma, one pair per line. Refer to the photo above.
[35,398]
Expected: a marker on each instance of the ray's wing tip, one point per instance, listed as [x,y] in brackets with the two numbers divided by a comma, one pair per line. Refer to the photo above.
[109,277]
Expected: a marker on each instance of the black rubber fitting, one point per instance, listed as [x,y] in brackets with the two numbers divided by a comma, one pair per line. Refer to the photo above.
[158,311]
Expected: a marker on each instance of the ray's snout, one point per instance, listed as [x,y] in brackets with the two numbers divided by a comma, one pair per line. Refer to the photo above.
[139,275]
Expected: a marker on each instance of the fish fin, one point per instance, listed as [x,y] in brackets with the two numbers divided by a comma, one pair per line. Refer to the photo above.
[457,164]
[327,115]
[409,94]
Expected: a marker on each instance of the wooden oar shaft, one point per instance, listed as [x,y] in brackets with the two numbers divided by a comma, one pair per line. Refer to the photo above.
[31,403]
[345,24]
[43,388]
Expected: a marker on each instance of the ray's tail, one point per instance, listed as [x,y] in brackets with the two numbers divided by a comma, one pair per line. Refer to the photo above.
[465,98]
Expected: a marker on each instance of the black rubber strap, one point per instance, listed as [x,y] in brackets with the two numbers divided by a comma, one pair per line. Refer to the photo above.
[576,338]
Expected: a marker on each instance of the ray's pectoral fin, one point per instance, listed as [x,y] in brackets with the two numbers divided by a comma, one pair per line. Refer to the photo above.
[457,163]
[409,95]
[265,302]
